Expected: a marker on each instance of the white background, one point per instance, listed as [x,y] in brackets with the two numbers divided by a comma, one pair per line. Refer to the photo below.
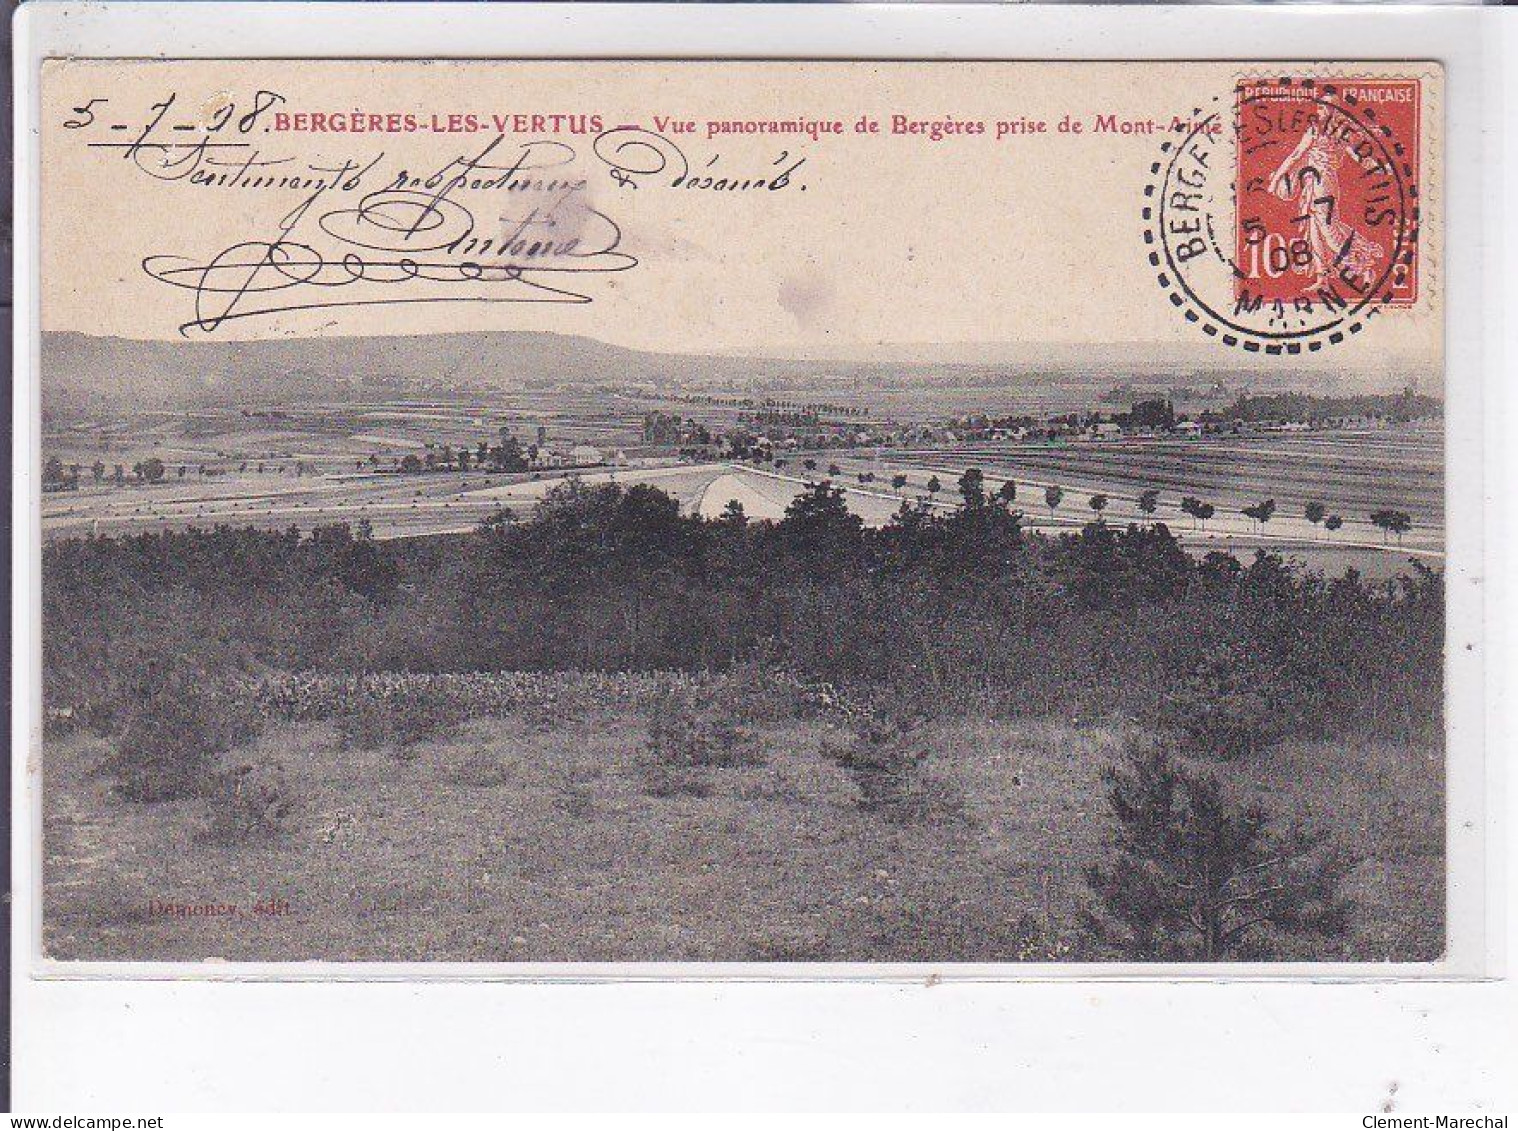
[166,1045]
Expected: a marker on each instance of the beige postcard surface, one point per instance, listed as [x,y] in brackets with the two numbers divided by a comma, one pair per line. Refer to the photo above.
[605,512]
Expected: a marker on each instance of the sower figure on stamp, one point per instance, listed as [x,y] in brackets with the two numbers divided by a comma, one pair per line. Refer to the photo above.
[1310,174]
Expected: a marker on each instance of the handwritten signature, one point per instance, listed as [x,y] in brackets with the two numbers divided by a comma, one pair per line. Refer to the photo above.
[321,257]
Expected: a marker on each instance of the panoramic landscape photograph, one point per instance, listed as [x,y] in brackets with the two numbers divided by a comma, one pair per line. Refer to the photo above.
[523,647]
[750,513]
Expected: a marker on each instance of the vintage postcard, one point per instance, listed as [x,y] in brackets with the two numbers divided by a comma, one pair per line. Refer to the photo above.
[742,512]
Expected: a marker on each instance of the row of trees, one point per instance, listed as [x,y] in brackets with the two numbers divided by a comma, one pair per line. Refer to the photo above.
[56,475]
[508,455]
[972,490]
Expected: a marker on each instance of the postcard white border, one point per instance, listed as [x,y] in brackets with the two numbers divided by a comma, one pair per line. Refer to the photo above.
[1464,40]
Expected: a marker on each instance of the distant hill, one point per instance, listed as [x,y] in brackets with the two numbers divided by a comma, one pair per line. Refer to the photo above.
[79,368]
[81,372]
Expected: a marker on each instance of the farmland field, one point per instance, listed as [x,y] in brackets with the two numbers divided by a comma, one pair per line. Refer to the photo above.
[1352,473]
[254,478]
[343,445]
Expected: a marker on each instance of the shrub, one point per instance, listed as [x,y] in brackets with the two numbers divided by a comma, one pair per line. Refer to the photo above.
[1224,706]
[687,728]
[248,800]
[172,738]
[884,757]
[879,754]
[1193,877]
[690,735]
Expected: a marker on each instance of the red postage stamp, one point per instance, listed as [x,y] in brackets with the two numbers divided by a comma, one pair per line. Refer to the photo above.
[1326,186]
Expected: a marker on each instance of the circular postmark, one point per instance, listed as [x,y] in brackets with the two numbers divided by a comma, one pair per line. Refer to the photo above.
[1286,219]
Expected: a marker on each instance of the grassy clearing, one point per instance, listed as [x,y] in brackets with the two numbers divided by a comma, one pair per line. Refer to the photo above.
[528,837]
